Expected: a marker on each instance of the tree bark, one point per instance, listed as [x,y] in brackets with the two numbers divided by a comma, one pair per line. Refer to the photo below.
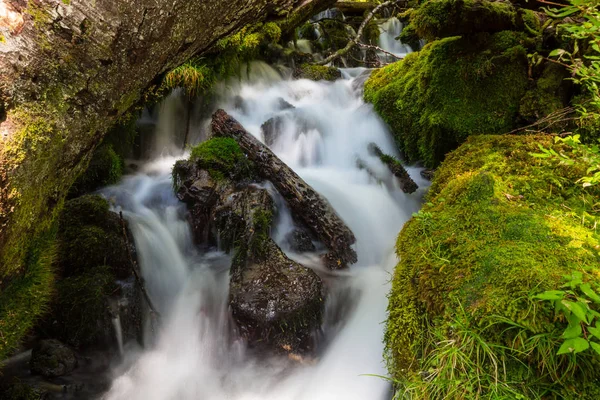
[304,202]
[69,69]
[354,8]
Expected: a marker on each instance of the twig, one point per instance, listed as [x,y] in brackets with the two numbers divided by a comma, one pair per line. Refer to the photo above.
[134,268]
[356,40]
[371,46]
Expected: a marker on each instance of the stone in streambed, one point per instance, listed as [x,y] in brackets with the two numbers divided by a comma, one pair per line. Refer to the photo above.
[51,358]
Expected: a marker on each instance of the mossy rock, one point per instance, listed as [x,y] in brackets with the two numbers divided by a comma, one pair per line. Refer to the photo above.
[317,73]
[222,158]
[105,168]
[500,225]
[80,313]
[453,88]
[90,235]
[436,19]
[550,93]
[50,358]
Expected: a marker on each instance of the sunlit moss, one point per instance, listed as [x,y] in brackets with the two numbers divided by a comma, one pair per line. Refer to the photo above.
[433,99]
[499,225]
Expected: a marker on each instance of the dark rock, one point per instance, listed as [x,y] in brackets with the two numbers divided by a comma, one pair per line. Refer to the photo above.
[406,182]
[284,105]
[240,104]
[427,174]
[300,241]
[276,302]
[50,358]
[270,130]
[15,389]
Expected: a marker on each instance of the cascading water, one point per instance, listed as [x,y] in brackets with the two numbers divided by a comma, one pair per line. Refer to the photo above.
[390,30]
[196,353]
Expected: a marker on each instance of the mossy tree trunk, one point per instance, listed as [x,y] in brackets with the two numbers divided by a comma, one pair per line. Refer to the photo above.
[70,69]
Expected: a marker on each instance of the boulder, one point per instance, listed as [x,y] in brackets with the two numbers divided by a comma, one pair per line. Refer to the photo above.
[51,358]
[317,73]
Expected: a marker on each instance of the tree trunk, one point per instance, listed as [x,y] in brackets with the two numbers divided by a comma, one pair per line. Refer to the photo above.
[303,201]
[69,69]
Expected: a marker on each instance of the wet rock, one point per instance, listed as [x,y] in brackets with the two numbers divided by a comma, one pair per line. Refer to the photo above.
[305,204]
[284,105]
[300,241]
[240,104]
[406,182]
[317,73]
[270,130]
[427,174]
[276,302]
[51,358]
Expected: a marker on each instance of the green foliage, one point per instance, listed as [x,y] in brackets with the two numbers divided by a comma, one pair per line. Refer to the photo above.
[584,58]
[433,100]
[499,225]
[194,76]
[578,152]
[577,304]
[222,157]
[198,75]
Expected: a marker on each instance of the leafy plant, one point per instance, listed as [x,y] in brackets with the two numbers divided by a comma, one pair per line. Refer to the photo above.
[577,303]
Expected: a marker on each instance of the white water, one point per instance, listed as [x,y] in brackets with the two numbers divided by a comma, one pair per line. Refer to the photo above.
[390,30]
[195,353]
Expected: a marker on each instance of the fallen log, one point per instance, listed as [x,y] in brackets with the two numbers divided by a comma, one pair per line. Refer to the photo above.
[354,8]
[406,183]
[304,202]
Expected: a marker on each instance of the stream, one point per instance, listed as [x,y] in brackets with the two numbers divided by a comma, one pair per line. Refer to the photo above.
[195,353]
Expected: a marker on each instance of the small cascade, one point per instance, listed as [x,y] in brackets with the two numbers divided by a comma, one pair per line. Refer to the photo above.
[390,30]
[116,320]
[196,352]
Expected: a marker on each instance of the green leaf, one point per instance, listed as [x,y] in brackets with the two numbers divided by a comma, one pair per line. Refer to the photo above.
[572,331]
[594,331]
[550,295]
[589,292]
[579,309]
[595,346]
[576,345]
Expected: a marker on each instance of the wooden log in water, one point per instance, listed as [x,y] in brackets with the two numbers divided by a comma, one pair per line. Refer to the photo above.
[304,202]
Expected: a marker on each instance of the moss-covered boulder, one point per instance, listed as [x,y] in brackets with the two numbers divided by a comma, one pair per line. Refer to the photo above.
[453,88]
[436,19]
[89,236]
[276,302]
[93,254]
[317,73]
[500,226]
[550,92]
[50,358]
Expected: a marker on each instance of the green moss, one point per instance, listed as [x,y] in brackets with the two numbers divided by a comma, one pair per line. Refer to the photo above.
[499,226]
[307,31]
[80,311]
[444,18]
[550,93]
[453,88]
[2,39]
[90,236]
[24,298]
[222,157]
[410,37]
[261,230]
[105,168]
[317,73]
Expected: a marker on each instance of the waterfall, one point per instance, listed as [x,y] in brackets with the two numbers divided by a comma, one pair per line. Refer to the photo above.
[196,352]
[390,30]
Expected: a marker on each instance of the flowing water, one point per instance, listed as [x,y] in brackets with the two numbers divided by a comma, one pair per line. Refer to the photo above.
[194,352]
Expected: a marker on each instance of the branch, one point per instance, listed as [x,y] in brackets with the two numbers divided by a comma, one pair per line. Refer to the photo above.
[370,46]
[134,268]
[356,40]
